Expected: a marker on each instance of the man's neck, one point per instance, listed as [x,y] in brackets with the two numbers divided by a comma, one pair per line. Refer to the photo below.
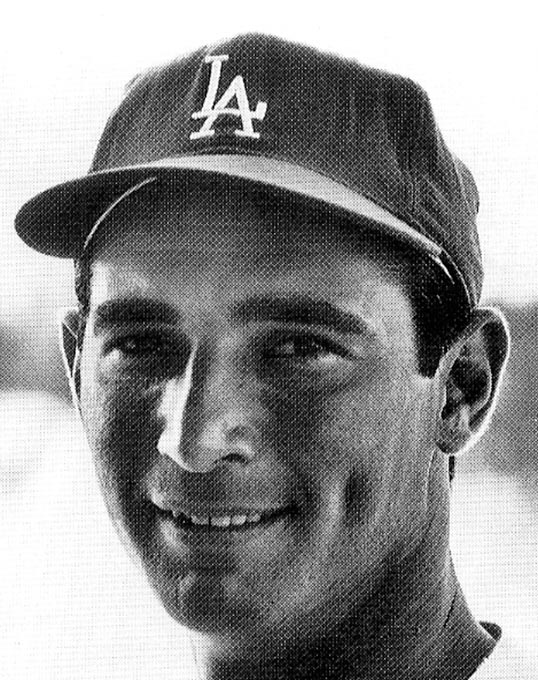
[434,636]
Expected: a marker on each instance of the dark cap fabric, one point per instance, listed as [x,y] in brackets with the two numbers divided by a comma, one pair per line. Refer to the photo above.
[277,113]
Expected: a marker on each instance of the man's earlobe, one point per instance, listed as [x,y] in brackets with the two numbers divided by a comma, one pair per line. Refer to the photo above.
[471,373]
[69,324]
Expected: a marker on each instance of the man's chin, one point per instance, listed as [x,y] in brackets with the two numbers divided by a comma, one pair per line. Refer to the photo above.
[204,602]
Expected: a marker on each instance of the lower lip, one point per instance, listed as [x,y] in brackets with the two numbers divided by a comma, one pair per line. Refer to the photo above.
[175,529]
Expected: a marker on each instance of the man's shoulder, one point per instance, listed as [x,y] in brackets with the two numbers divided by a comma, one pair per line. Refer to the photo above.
[508,661]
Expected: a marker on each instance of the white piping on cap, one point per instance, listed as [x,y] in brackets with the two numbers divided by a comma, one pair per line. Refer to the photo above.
[111,207]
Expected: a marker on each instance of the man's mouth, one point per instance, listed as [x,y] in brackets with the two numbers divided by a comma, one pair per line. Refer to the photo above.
[224,521]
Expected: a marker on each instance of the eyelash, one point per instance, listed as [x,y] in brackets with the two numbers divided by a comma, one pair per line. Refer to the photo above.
[146,344]
[308,346]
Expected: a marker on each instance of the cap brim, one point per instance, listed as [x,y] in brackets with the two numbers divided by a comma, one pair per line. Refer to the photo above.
[58,221]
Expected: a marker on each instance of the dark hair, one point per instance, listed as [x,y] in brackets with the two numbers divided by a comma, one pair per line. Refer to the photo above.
[83,275]
[440,313]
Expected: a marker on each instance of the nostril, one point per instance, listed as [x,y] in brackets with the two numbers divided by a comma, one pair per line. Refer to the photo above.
[238,444]
[235,457]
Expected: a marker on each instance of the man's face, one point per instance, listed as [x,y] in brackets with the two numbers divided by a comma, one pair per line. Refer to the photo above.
[250,391]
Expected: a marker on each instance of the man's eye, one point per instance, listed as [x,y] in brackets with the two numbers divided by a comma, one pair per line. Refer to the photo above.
[151,353]
[141,345]
[305,348]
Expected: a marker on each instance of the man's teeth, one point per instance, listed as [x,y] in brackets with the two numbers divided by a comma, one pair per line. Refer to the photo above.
[221,521]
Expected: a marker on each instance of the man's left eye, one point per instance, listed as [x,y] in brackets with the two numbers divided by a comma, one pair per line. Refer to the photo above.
[305,348]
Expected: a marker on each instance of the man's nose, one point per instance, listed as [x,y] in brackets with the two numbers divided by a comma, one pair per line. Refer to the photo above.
[207,418]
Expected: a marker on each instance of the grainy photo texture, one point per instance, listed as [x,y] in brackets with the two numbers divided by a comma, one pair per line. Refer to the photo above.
[280,358]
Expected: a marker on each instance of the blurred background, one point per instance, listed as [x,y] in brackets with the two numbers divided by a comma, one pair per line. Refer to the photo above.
[71,604]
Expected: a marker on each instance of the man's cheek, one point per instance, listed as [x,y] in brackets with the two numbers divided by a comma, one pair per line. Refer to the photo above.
[368,434]
[296,432]
[122,426]
[358,418]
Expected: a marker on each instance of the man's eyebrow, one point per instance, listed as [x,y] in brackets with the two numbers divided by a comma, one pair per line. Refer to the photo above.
[301,309]
[132,310]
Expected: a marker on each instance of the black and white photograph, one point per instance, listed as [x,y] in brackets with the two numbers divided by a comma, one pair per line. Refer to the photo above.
[269,321]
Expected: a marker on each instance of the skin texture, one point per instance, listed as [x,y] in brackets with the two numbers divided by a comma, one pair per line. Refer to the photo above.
[237,398]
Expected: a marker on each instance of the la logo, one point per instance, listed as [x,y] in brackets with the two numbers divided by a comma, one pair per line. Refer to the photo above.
[211,110]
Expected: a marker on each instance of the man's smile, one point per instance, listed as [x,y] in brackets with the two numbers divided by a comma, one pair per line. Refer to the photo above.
[220,517]
[231,521]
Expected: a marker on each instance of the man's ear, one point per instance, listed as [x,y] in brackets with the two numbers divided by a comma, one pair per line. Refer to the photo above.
[470,375]
[69,324]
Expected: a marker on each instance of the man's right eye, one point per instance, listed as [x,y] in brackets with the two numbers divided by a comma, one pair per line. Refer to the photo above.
[145,344]
[142,345]
[153,353]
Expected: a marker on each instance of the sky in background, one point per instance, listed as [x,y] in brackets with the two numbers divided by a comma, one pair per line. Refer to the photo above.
[64,66]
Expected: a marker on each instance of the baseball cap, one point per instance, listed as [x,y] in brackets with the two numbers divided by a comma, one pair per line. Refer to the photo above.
[284,115]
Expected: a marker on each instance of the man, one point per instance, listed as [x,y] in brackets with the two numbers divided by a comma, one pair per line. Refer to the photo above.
[277,354]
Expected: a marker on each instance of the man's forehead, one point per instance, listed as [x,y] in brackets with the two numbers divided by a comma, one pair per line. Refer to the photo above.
[209,251]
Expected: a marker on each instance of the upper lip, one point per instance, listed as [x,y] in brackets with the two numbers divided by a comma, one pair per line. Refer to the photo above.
[173,505]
